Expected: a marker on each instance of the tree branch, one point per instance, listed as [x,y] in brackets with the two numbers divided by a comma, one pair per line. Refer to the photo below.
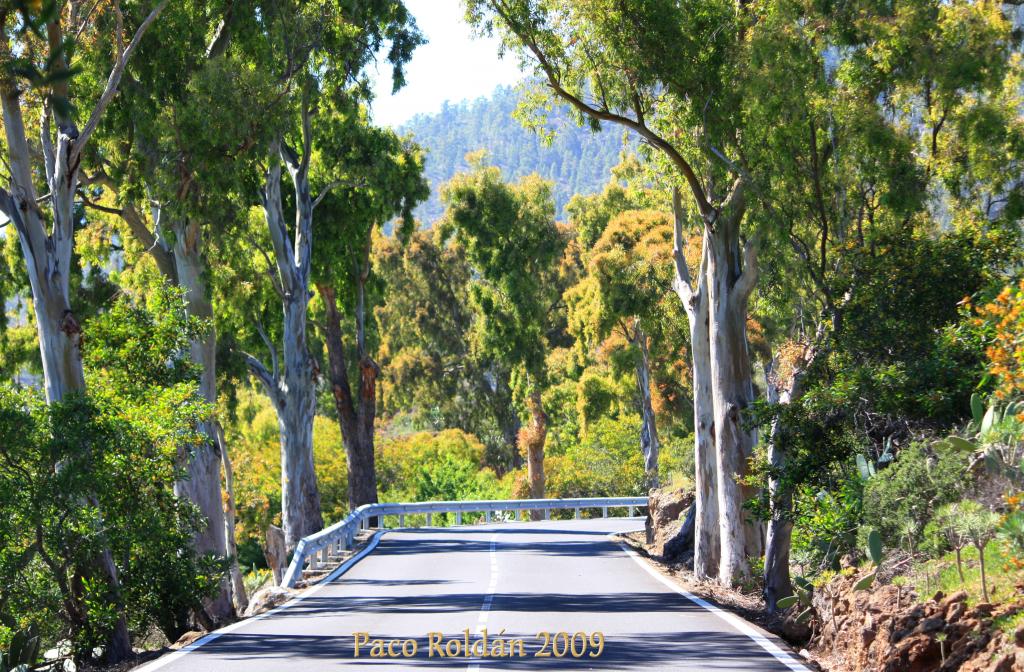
[653,138]
[682,282]
[257,369]
[112,83]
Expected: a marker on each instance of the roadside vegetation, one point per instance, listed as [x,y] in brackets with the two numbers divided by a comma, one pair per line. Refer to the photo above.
[796,298]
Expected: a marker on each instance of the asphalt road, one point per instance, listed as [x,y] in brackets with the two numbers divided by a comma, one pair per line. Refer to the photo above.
[516,580]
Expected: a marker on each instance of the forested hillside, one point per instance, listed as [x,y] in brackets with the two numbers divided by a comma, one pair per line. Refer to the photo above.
[576,160]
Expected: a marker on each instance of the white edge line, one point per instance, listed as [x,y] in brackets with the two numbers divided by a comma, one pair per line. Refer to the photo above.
[206,639]
[735,621]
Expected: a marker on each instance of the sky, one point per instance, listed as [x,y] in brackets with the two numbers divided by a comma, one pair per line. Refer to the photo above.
[453,65]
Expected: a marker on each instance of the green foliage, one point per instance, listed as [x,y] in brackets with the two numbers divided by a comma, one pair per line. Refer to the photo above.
[825,523]
[923,478]
[605,463]
[446,465]
[96,472]
[509,236]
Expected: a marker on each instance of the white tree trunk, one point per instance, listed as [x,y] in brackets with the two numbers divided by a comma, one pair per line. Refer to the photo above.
[48,256]
[291,384]
[707,545]
[649,444]
[202,485]
[729,287]
[296,406]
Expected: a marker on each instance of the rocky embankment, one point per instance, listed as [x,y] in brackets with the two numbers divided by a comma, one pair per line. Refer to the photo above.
[887,629]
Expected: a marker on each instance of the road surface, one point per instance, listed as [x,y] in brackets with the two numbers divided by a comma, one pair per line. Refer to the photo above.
[515,580]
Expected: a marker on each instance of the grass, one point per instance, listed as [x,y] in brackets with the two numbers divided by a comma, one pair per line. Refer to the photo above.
[1009,624]
[941,574]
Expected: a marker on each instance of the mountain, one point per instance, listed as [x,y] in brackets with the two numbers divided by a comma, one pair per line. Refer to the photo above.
[577,161]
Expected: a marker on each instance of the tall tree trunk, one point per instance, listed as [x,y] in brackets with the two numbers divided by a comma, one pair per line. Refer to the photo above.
[356,421]
[241,598]
[649,429]
[202,484]
[296,407]
[777,582]
[707,544]
[291,383]
[48,260]
[729,287]
[532,438]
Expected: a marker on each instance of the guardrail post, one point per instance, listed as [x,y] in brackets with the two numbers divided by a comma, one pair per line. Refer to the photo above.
[429,518]
[519,514]
[577,513]
[604,511]
[632,511]
[325,555]
[458,517]
[487,516]
[547,514]
[401,520]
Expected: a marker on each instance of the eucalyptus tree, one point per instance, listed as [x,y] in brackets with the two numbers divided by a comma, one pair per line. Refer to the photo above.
[163,170]
[316,52]
[867,152]
[624,293]
[509,236]
[668,72]
[424,329]
[381,179]
[39,40]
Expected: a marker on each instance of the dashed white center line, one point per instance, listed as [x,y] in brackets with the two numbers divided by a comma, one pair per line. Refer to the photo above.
[492,585]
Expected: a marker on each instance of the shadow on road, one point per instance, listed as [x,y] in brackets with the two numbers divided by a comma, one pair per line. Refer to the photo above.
[704,650]
[458,602]
[407,546]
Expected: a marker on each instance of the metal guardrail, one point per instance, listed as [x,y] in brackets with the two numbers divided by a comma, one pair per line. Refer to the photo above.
[316,549]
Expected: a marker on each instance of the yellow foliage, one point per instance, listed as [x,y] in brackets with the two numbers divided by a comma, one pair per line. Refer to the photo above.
[1005,317]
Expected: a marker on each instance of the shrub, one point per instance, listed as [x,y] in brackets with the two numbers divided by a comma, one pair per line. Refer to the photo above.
[922,478]
[95,473]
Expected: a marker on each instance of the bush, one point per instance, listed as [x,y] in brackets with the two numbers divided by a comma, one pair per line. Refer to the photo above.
[825,524]
[436,466]
[606,463]
[95,473]
[900,500]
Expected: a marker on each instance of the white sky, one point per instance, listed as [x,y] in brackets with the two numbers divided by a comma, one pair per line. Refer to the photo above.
[453,65]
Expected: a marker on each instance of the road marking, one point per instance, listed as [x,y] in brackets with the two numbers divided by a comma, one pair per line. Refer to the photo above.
[492,585]
[163,661]
[735,621]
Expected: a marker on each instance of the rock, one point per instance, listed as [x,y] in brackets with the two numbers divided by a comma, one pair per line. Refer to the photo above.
[188,638]
[267,599]
[792,631]
[1018,637]
[665,511]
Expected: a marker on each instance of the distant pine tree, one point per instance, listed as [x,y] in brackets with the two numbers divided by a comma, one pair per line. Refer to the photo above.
[577,161]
